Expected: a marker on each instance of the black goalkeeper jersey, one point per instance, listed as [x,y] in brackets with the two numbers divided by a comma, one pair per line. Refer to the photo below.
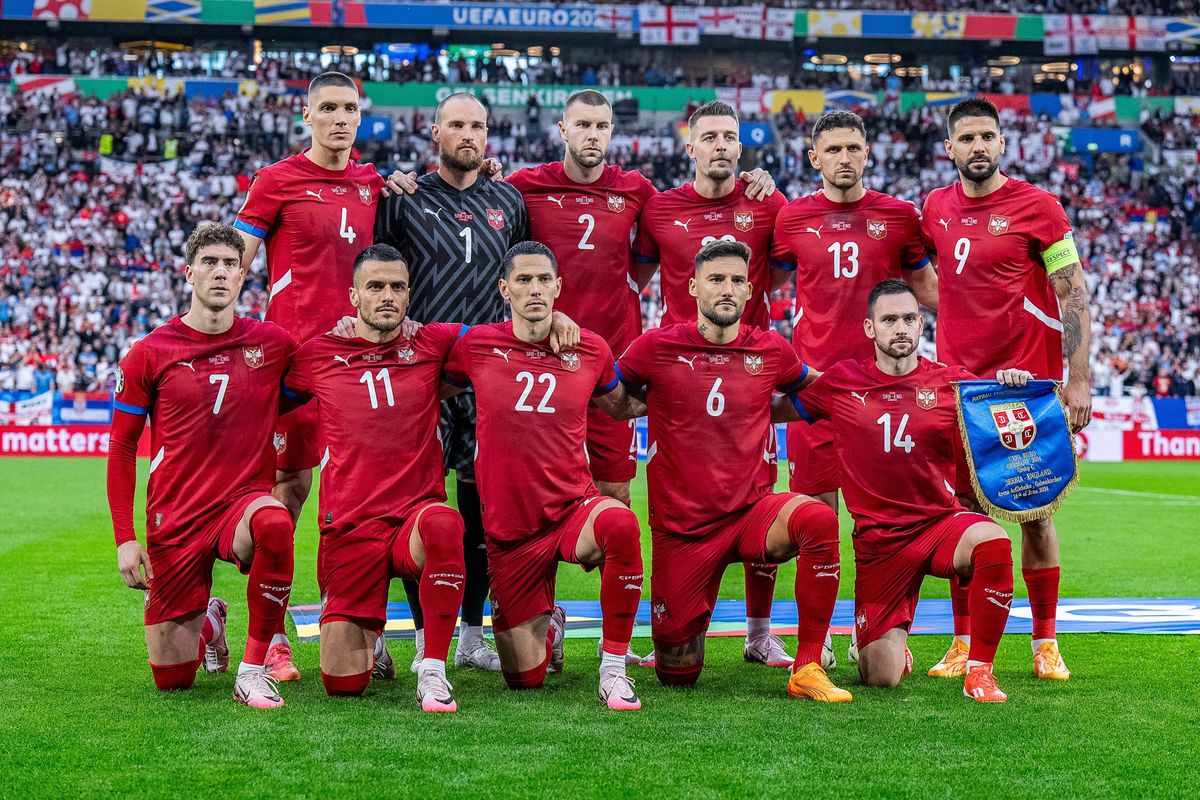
[454,242]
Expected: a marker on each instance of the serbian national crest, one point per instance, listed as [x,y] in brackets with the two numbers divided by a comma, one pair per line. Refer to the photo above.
[926,397]
[364,194]
[743,220]
[253,354]
[753,363]
[876,228]
[405,354]
[616,203]
[280,443]
[570,360]
[495,218]
[1014,424]
[998,225]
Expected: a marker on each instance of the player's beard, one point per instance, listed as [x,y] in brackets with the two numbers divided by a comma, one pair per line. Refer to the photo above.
[901,348]
[719,174]
[384,325]
[586,161]
[845,180]
[722,319]
[463,160]
[977,173]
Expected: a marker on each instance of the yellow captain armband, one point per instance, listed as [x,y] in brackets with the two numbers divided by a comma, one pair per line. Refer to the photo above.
[1060,254]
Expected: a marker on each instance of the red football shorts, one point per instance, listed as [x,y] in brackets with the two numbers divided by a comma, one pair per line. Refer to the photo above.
[354,568]
[611,447]
[523,573]
[888,584]
[183,568]
[812,460]
[686,571]
[296,439]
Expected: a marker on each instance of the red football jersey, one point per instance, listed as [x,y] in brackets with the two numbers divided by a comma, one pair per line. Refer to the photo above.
[677,223]
[377,417]
[996,306]
[589,227]
[712,446]
[897,441]
[313,222]
[531,407]
[212,402]
[840,251]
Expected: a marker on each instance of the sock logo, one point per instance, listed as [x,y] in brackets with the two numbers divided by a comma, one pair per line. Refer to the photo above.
[272,598]
[1006,597]
[455,585]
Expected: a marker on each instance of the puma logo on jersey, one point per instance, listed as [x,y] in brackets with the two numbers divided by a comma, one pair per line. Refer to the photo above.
[684,225]
[432,212]
[344,359]
[689,361]
[316,194]
[502,353]
[558,201]
[275,599]
[815,231]
[862,398]
[455,585]
[945,223]
[187,364]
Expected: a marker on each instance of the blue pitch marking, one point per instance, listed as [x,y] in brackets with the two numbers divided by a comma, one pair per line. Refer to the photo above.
[1087,615]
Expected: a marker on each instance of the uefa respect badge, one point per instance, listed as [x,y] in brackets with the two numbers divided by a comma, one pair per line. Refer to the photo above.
[1020,452]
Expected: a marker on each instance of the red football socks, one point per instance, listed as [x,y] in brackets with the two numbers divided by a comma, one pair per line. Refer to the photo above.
[617,533]
[1042,585]
[174,677]
[960,608]
[990,597]
[443,577]
[270,583]
[813,527]
[346,685]
[760,589]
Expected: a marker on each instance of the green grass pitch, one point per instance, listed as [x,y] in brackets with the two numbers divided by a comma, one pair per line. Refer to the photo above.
[79,716]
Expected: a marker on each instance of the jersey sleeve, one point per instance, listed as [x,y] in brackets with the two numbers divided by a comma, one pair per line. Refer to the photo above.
[645,244]
[1052,236]
[634,366]
[924,228]
[457,370]
[782,255]
[443,335]
[607,371]
[261,210]
[913,255]
[389,222]
[135,382]
[814,402]
[520,227]
[297,383]
[792,372]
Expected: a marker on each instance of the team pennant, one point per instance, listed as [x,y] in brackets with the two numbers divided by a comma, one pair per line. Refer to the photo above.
[1020,452]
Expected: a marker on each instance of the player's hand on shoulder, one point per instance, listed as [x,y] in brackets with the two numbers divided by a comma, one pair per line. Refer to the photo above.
[564,333]
[344,329]
[399,183]
[492,168]
[132,562]
[410,328]
[762,185]
[1014,377]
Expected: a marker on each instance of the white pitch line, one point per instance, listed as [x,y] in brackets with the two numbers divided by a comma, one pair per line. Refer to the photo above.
[1186,499]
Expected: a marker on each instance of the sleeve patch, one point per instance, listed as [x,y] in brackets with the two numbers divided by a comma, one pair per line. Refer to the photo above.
[246,227]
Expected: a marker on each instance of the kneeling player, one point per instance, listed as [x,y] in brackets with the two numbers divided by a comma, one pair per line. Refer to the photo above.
[896,435]
[711,470]
[210,382]
[382,507]
[540,504]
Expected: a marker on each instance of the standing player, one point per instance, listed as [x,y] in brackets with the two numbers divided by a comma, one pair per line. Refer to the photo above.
[210,383]
[453,234]
[1012,293]
[895,431]
[711,472]
[674,226]
[841,241]
[383,505]
[540,505]
[315,211]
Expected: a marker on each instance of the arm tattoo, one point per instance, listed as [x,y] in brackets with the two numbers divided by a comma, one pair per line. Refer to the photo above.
[1072,296]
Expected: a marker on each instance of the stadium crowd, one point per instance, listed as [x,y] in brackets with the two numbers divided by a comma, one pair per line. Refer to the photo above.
[91,245]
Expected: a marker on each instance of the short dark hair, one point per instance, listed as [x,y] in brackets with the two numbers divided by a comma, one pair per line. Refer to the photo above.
[211,234]
[437,112]
[885,288]
[527,248]
[722,248]
[831,120]
[378,252]
[971,107]
[589,97]
[331,78]
[713,108]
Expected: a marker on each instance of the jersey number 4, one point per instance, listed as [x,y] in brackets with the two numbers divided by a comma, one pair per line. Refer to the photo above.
[346,232]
